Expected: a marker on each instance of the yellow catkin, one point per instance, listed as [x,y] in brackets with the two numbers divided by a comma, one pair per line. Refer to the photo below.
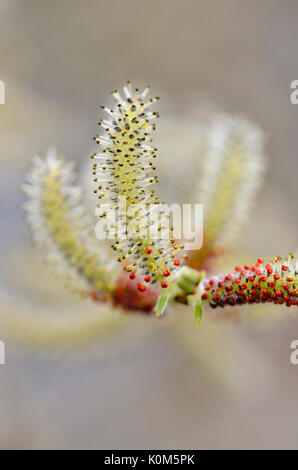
[123,174]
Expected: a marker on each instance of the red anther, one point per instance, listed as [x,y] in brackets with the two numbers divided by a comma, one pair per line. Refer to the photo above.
[256,285]
[284,267]
[241,293]
[271,284]
[292,293]
[278,293]
[249,298]
[94,295]
[263,278]
[290,279]
[269,270]
[251,278]
[147,278]
[253,269]
[141,287]
[238,268]
[177,262]
[272,295]
[148,250]
[243,273]
[164,284]
[208,287]
[268,265]
[276,276]
[260,260]
[247,267]
[229,277]
[244,286]
[132,276]
[285,286]
[264,292]
[237,280]
[204,296]
[253,292]
[258,272]
[212,282]
[221,284]
[166,273]
[230,287]
[257,264]
[216,297]
[281,301]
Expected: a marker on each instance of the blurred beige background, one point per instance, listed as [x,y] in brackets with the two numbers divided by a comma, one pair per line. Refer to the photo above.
[151,385]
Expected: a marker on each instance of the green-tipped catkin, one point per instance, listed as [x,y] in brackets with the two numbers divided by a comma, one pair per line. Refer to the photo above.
[231,177]
[60,225]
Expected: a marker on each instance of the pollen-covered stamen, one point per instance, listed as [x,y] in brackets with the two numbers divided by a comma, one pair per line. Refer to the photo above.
[123,174]
[276,282]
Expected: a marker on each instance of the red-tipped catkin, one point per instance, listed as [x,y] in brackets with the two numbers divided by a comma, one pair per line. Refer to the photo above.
[275,282]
